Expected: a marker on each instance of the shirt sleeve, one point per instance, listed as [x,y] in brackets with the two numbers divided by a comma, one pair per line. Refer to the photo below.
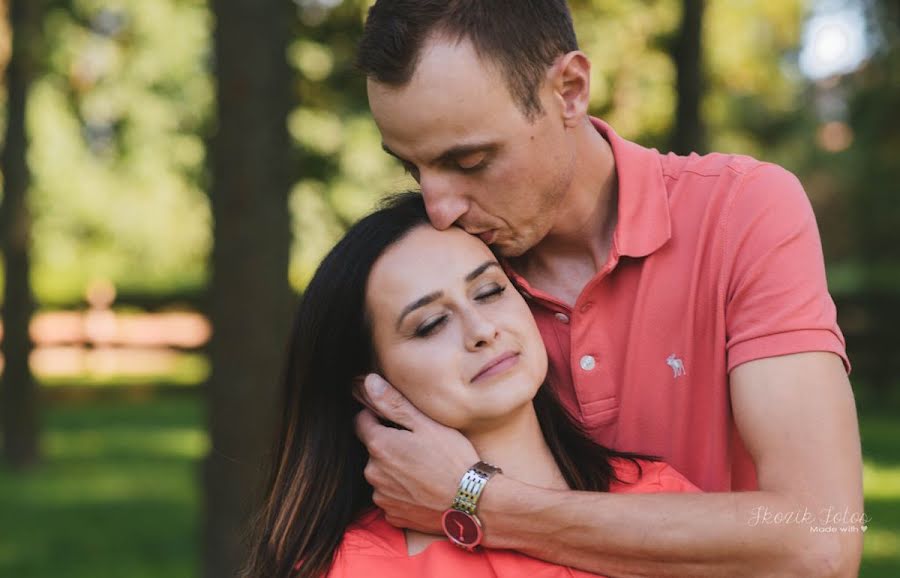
[776,296]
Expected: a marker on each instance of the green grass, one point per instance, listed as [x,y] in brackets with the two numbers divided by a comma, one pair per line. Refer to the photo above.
[880,432]
[118,494]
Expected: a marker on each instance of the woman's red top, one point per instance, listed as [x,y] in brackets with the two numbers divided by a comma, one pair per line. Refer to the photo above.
[373,548]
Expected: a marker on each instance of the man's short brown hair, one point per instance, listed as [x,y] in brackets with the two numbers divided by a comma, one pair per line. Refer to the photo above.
[522,37]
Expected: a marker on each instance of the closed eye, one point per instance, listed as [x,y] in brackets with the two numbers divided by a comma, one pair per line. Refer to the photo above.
[411,170]
[495,291]
[429,326]
[472,162]
[491,293]
[472,169]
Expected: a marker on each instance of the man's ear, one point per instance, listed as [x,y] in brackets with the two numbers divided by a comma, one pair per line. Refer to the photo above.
[570,78]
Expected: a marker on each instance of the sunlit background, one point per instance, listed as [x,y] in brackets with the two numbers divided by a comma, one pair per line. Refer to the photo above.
[120,115]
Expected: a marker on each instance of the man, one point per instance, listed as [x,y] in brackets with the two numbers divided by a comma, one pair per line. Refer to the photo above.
[682,301]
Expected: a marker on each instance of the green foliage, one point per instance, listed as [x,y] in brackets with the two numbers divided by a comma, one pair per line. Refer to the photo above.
[754,81]
[871,171]
[632,75]
[339,148]
[117,153]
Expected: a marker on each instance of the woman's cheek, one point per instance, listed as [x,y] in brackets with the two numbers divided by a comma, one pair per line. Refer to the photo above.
[431,380]
[415,370]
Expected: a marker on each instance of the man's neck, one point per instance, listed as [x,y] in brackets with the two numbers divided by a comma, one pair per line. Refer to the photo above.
[581,239]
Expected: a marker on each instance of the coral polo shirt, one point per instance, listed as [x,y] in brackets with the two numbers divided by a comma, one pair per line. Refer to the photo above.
[715,261]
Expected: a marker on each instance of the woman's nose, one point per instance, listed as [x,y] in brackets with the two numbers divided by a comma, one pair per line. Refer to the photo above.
[480,331]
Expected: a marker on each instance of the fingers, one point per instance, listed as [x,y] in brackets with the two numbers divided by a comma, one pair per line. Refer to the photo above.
[359,395]
[400,515]
[403,523]
[367,427]
[390,404]
[397,522]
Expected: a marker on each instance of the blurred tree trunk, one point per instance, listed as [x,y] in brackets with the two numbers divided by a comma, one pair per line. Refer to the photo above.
[18,391]
[250,298]
[689,134]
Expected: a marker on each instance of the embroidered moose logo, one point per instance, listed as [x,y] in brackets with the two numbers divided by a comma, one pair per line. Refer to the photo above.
[676,364]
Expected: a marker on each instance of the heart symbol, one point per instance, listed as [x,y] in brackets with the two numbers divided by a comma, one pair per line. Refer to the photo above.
[864,528]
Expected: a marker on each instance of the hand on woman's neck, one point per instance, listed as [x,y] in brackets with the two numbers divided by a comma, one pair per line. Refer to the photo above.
[517,446]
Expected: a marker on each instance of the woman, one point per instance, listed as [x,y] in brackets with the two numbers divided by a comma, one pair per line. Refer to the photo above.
[433,312]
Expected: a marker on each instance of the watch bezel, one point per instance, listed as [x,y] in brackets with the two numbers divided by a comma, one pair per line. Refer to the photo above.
[479,529]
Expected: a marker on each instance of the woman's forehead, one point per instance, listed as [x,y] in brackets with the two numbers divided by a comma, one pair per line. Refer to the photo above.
[424,261]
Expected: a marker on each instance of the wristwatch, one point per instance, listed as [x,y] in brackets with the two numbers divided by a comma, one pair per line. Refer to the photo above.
[460,523]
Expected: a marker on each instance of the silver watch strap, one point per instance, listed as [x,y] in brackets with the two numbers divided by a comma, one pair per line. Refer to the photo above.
[472,485]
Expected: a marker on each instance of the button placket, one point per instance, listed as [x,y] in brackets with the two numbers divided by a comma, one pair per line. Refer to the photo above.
[593,383]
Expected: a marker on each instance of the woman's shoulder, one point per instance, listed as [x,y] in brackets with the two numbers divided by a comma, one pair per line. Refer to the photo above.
[646,477]
[369,545]
[372,534]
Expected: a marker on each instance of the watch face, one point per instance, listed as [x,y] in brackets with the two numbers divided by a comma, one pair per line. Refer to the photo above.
[461,528]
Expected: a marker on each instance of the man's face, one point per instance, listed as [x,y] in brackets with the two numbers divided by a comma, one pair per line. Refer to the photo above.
[480,162]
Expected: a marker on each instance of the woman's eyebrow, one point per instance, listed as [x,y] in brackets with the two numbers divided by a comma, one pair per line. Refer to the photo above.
[431,297]
[481,269]
[420,302]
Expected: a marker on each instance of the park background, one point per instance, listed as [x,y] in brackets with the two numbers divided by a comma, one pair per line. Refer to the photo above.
[174,166]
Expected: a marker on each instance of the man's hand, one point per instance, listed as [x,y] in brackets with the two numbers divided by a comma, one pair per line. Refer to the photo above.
[416,471]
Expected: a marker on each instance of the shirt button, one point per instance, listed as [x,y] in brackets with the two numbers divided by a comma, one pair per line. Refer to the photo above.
[586,307]
[588,363]
[562,317]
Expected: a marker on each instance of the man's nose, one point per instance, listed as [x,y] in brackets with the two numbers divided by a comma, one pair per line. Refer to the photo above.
[444,203]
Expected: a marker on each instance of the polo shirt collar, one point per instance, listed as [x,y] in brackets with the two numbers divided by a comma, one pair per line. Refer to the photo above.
[643,223]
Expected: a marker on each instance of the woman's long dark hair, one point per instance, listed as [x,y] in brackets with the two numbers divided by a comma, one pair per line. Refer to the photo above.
[316,485]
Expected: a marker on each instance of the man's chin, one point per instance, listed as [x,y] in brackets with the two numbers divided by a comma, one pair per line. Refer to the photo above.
[507,249]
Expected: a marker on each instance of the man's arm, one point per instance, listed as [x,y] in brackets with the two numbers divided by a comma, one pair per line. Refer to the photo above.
[797,417]
[795,414]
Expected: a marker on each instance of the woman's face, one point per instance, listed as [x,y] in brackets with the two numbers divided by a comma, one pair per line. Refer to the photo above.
[450,331]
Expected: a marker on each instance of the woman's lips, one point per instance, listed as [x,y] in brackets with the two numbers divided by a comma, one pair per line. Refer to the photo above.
[497,365]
